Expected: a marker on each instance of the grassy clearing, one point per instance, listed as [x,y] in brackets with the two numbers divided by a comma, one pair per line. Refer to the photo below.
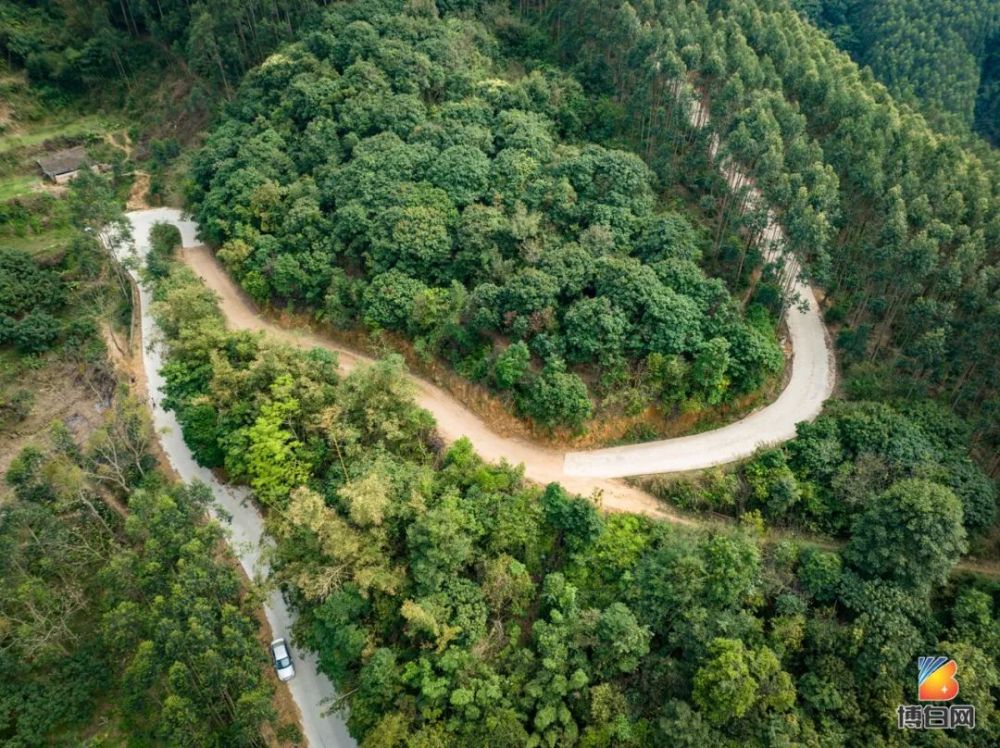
[16,185]
[48,242]
[92,124]
[25,135]
[33,215]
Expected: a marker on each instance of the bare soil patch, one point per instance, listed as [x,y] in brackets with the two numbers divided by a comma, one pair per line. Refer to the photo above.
[62,392]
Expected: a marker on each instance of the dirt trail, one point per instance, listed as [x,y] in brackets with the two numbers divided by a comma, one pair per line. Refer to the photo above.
[454,420]
[137,195]
[541,464]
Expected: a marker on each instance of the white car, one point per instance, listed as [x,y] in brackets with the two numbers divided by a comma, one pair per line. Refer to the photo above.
[282,659]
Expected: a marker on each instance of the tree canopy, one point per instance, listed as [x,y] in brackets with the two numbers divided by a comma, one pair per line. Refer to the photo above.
[943,55]
[453,603]
[388,170]
[895,220]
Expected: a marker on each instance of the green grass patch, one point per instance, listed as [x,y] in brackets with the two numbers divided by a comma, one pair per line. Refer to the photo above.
[17,185]
[93,124]
[45,243]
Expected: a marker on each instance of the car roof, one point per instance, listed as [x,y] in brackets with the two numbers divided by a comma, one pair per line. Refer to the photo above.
[279,648]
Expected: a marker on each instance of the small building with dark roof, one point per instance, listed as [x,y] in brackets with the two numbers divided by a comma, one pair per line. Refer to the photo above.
[61,166]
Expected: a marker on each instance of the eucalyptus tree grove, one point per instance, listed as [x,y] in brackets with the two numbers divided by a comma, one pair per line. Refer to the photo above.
[898,222]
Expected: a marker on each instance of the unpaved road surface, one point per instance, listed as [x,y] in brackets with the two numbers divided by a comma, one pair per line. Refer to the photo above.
[310,688]
[813,373]
[580,472]
[454,420]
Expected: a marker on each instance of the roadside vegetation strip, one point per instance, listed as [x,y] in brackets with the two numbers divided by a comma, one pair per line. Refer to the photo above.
[311,690]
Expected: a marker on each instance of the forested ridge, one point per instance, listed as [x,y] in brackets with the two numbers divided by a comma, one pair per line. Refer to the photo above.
[944,55]
[897,223]
[520,190]
[384,172]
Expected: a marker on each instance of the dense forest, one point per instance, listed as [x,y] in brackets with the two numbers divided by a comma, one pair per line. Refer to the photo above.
[943,55]
[521,191]
[453,604]
[96,44]
[135,616]
[382,172]
[825,478]
[898,224]
[122,617]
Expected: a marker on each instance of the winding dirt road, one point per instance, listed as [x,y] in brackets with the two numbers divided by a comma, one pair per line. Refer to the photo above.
[585,473]
[813,373]
[582,472]
[454,420]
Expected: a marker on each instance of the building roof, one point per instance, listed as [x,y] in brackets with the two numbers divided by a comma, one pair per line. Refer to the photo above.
[62,162]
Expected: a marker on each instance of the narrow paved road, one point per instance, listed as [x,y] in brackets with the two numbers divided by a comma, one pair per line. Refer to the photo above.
[809,386]
[310,689]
